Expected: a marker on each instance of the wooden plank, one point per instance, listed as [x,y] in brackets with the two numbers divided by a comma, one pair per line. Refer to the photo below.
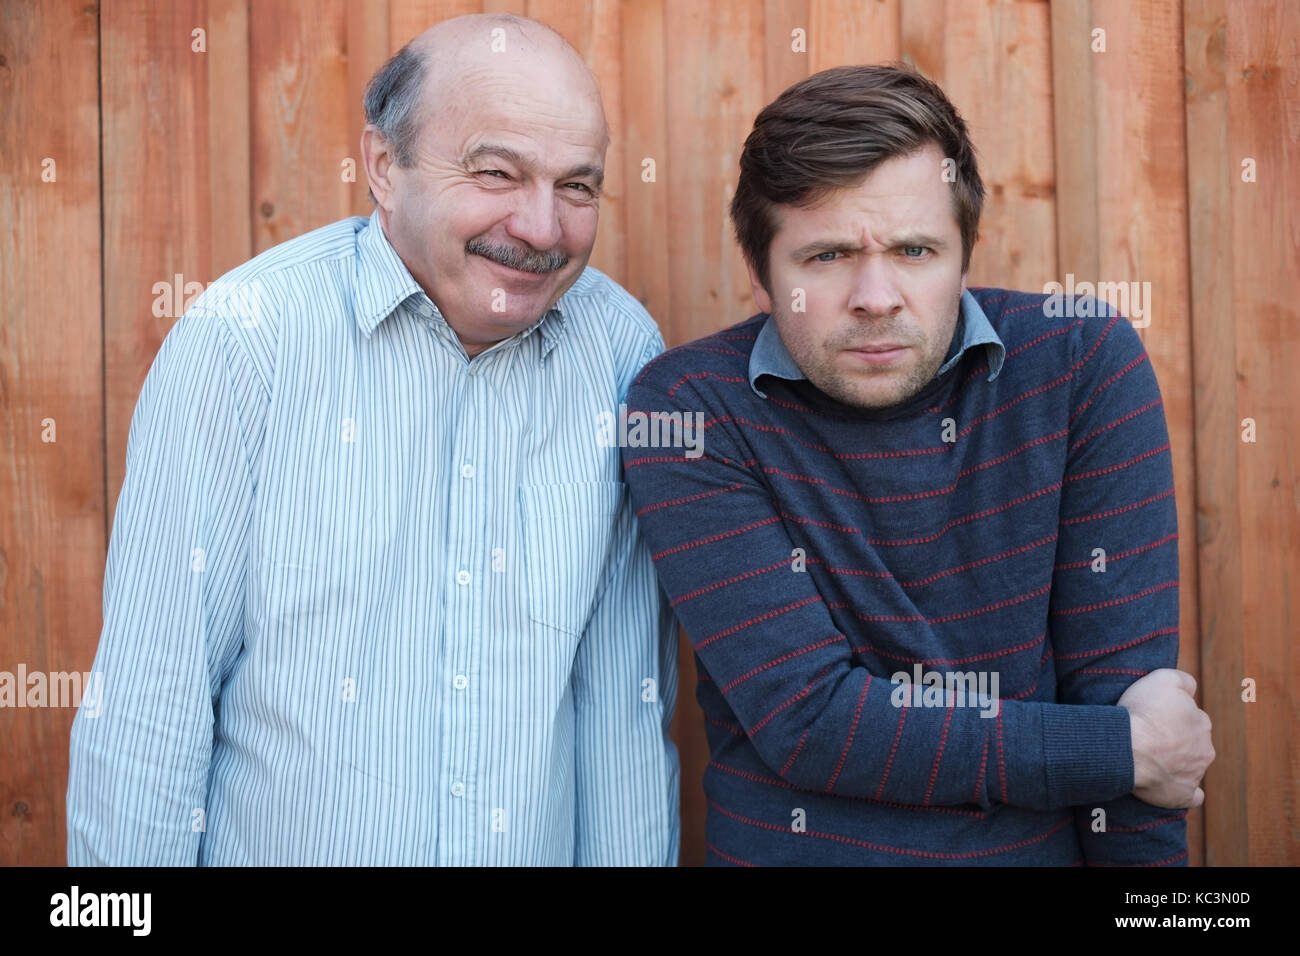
[209,157]
[367,37]
[922,29]
[645,137]
[300,135]
[159,184]
[845,32]
[1141,217]
[1074,126]
[714,89]
[1262,71]
[229,134]
[52,528]
[782,64]
[994,63]
[1209,177]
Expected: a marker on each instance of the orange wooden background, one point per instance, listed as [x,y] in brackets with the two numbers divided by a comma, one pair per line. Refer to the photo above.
[1123,165]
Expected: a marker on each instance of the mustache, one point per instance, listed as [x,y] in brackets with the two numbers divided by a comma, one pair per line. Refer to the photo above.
[526,260]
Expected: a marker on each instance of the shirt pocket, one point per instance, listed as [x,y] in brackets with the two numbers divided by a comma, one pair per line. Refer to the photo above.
[567,532]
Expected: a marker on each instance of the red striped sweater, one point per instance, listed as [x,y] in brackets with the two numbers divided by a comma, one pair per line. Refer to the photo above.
[816,553]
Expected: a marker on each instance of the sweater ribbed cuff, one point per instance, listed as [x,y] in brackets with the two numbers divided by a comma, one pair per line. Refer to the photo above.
[1088,753]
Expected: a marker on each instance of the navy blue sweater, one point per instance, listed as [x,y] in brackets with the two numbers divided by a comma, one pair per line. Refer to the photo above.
[814,553]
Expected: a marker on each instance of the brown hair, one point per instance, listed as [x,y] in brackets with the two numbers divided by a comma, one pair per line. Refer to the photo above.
[829,131]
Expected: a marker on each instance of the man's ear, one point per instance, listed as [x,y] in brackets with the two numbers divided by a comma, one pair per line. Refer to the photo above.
[377,159]
[761,298]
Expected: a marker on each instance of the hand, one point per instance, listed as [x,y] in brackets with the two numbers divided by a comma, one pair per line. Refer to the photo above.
[1171,739]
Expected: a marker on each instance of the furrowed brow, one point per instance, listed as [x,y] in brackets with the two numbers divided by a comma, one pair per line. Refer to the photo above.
[917,239]
[818,246]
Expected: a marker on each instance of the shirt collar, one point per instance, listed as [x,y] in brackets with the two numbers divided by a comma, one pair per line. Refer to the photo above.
[770,356]
[382,282]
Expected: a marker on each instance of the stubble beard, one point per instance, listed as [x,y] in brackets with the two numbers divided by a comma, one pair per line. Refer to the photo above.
[831,380]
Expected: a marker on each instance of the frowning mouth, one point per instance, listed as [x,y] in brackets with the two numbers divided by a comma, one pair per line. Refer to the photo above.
[878,354]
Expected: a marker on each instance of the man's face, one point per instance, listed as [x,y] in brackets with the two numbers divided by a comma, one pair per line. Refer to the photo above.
[497,215]
[879,264]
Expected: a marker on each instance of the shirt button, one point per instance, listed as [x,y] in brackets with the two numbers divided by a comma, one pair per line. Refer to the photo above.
[426,309]
[467,470]
[462,577]
[458,789]
[460,682]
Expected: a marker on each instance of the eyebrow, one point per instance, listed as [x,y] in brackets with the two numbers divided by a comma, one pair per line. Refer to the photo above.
[818,246]
[585,171]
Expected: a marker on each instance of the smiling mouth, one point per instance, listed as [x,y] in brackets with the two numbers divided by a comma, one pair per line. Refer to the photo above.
[521,273]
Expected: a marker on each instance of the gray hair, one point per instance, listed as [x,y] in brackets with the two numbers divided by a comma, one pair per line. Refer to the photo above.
[392,101]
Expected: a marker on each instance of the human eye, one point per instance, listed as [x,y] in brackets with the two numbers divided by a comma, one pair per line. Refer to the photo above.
[583,188]
[915,252]
[825,257]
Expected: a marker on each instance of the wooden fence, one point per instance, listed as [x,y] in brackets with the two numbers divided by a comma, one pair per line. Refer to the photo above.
[147,141]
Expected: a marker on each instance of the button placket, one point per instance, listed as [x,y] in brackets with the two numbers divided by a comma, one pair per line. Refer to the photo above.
[467,550]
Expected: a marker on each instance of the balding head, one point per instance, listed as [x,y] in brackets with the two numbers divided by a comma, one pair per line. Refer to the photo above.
[433,71]
[485,150]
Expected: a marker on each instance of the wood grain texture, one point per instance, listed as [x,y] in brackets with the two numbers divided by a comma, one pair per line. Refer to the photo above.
[1262,74]
[1118,166]
[298,56]
[1218,530]
[52,526]
[366,50]
[229,135]
[992,67]
[166,169]
[714,89]
[645,131]
[1140,212]
[1074,125]
[853,32]
[783,64]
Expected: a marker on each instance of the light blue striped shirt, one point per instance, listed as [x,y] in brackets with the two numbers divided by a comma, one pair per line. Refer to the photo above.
[370,602]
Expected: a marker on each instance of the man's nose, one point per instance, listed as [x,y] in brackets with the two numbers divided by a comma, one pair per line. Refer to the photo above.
[875,293]
[536,218]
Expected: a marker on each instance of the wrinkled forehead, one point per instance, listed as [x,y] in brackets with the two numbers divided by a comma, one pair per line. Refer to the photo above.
[551,100]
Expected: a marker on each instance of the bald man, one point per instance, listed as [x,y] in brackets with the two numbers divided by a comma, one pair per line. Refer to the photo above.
[375,592]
